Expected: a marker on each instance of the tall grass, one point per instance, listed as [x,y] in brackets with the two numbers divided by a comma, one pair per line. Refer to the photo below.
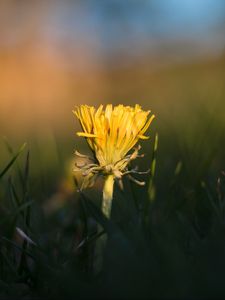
[174,248]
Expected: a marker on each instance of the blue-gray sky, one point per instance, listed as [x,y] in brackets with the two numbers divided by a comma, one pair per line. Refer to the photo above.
[121,26]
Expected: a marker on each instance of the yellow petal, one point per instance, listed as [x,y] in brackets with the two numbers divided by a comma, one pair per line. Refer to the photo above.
[85,134]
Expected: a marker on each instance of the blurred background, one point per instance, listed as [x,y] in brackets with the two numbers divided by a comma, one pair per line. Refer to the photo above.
[166,55]
[167,237]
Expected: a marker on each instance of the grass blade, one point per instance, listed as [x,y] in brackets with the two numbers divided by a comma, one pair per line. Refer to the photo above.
[8,166]
[17,211]
[151,190]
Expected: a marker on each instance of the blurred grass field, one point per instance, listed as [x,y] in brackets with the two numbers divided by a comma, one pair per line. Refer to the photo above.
[187,100]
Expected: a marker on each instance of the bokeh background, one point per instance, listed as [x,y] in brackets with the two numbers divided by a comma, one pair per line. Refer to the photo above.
[168,56]
[165,55]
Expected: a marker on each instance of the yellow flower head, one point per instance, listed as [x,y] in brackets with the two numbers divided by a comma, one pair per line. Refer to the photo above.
[111,133]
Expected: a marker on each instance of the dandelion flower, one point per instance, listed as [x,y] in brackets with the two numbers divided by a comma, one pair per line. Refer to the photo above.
[111,133]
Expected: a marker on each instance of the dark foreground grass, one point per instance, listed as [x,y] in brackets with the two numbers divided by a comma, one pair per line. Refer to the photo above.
[165,241]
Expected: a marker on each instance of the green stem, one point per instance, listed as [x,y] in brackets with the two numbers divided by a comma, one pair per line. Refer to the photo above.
[106,209]
[107,195]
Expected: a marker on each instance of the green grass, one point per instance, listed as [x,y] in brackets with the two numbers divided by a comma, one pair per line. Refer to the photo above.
[166,246]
